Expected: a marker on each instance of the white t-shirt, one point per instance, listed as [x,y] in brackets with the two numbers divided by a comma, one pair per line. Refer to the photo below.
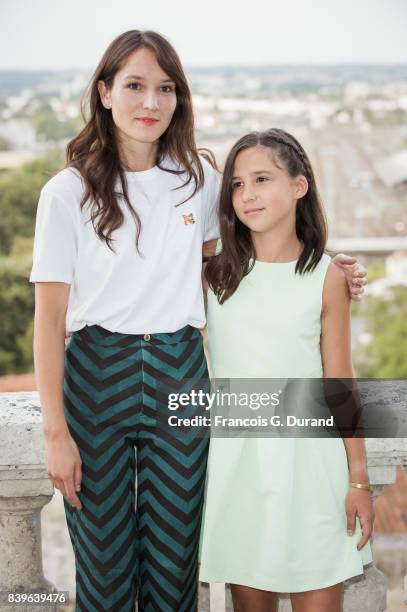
[158,291]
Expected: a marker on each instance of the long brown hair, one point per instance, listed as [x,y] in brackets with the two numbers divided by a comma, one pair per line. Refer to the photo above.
[94,152]
[225,271]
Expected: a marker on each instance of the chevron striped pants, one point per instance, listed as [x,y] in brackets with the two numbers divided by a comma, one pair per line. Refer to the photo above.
[135,543]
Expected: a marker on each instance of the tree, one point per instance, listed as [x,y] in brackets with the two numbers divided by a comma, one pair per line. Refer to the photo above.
[16,315]
[386,321]
[51,128]
[19,193]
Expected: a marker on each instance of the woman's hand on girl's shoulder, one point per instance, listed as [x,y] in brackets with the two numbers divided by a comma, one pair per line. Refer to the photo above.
[355,274]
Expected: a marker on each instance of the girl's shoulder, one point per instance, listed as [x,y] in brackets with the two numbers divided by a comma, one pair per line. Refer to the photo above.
[335,285]
[321,269]
[325,261]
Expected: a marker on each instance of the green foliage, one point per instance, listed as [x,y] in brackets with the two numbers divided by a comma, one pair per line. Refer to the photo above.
[5,144]
[51,128]
[386,117]
[16,315]
[22,247]
[386,320]
[376,270]
[19,193]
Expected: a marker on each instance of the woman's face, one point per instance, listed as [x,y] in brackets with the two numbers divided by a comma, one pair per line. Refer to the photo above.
[142,99]
[264,195]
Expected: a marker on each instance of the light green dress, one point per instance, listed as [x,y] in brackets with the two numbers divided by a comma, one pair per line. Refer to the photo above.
[274,516]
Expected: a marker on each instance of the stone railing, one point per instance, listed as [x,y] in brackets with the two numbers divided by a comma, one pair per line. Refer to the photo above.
[25,489]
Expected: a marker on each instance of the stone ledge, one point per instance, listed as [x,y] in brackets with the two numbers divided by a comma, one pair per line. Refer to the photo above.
[21,431]
[26,488]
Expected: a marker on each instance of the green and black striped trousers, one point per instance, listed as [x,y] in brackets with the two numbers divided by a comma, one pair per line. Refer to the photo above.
[137,534]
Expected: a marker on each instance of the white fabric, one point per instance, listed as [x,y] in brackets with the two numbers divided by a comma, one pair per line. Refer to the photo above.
[161,290]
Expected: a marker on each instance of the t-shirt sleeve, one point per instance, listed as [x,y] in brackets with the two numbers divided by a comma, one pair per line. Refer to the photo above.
[211,204]
[56,239]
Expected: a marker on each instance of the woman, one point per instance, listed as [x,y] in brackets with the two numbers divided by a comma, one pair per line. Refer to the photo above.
[118,255]
[278,508]
[117,259]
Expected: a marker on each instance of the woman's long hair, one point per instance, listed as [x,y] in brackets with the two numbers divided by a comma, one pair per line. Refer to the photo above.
[225,271]
[94,152]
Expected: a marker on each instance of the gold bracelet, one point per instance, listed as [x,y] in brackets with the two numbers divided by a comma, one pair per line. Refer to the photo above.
[358,485]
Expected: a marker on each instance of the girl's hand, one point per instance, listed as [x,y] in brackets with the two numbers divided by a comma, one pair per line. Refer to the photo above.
[355,274]
[359,503]
[64,466]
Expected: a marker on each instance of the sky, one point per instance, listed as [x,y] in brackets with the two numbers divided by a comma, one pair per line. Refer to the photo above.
[56,34]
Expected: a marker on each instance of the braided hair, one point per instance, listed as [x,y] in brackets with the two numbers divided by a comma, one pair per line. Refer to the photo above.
[225,271]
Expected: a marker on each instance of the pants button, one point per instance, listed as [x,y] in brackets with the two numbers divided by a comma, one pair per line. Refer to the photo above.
[147,337]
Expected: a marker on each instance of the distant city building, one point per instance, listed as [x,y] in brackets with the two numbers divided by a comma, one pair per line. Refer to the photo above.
[20,133]
[369,245]
[396,274]
[396,267]
[393,170]
[355,90]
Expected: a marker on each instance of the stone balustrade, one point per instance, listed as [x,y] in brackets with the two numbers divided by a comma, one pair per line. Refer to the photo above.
[25,489]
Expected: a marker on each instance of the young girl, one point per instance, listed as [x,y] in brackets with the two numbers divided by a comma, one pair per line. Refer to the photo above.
[280,513]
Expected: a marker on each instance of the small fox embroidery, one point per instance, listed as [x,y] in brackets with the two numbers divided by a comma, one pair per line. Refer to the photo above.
[188,219]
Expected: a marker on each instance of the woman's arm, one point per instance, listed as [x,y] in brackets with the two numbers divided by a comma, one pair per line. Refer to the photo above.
[208,250]
[63,461]
[337,363]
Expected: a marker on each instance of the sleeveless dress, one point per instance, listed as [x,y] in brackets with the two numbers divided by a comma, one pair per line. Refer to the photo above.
[274,516]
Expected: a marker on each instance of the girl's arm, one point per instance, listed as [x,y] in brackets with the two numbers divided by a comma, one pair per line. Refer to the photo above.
[63,462]
[337,363]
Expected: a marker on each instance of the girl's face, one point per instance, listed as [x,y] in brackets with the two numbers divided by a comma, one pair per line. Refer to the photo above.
[142,99]
[263,195]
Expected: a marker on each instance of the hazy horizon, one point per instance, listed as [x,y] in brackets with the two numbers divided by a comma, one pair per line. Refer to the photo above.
[234,66]
[53,35]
